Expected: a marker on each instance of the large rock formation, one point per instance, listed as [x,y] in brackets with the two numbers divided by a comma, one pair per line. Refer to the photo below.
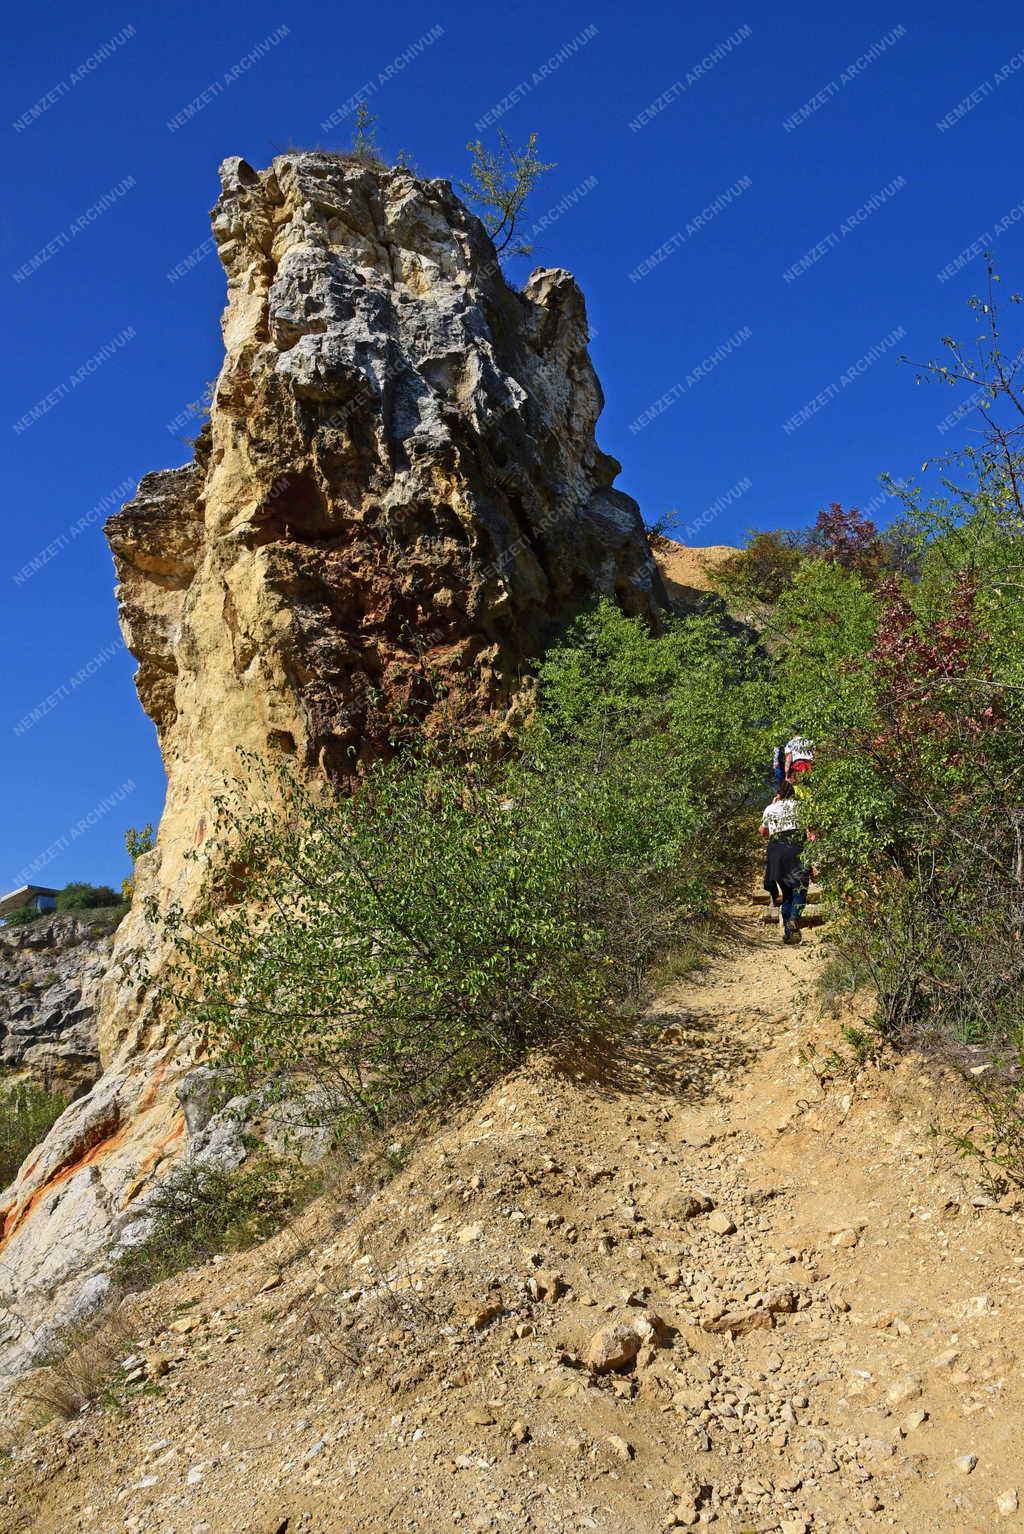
[398,496]
[50,975]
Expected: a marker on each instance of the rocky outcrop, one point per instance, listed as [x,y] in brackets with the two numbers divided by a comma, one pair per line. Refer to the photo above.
[50,974]
[399,493]
[398,498]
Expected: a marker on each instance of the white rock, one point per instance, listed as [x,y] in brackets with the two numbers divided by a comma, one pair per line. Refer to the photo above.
[906,1389]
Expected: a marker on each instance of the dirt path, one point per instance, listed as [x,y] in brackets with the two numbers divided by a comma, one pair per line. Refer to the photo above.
[423,1366]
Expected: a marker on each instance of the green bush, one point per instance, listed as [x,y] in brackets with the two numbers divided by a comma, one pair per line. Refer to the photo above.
[77,897]
[21,915]
[200,1211]
[761,572]
[461,906]
[27,1113]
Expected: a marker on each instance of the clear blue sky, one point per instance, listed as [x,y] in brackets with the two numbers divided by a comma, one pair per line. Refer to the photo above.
[708,90]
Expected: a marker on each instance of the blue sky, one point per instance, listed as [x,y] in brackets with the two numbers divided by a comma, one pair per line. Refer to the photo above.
[703,153]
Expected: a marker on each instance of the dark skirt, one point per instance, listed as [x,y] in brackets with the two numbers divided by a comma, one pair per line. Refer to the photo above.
[784,868]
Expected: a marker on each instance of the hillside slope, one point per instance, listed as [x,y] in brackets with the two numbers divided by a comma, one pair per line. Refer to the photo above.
[421,1365]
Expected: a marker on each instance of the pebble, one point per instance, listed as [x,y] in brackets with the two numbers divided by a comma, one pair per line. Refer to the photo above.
[1007,1502]
[620,1446]
[721,1224]
[965,1463]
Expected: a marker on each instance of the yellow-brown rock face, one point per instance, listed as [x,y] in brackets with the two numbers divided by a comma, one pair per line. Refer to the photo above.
[398,495]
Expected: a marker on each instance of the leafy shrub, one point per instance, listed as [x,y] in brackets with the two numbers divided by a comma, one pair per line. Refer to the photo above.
[78,896]
[762,571]
[27,1113]
[500,183]
[199,1211]
[461,907]
[21,915]
[137,842]
[847,538]
[993,1140]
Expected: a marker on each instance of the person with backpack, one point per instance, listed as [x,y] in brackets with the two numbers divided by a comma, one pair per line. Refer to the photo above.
[786,877]
[779,764]
[799,756]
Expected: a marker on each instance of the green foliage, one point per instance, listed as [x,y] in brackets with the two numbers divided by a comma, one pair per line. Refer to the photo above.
[21,915]
[686,702]
[199,1211]
[461,906]
[136,843]
[913,689]
[860,1047]
[500,183]
[364,136]
[27,1113]
[80,897]
[760,573]
[994,1138]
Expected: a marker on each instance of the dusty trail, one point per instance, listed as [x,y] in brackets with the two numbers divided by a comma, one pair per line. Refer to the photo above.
[421,1367]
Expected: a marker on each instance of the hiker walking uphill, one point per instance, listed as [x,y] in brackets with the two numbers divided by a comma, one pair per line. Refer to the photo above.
[785,877]
[798,755]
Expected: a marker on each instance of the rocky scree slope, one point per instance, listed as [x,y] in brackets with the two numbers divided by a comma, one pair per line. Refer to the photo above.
[398,496]
[691,1282]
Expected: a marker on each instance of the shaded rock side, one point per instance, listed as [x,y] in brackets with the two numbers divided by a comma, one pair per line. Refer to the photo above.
[398,495]
[50,974]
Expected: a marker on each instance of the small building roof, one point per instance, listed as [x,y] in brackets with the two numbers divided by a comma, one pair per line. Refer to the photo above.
[22,896]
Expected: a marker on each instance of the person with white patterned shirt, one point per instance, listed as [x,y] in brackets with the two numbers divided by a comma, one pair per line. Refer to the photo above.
[785,877]
[799,754]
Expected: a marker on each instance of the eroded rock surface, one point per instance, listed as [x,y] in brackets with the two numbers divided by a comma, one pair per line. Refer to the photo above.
[50,974]
[398,495]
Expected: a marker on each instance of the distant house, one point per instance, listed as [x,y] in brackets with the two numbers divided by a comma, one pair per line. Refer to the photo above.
[29,894]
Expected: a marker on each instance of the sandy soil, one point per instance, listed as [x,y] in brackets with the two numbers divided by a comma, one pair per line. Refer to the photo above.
[422,1366]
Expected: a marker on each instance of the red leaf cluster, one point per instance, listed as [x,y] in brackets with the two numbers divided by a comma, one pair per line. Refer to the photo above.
[848,538]
[928,676]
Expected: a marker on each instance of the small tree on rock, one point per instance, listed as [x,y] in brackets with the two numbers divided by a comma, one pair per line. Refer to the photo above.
[500,183]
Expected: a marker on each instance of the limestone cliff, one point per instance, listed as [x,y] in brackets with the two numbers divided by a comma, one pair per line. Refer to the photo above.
[398,495]
[50,975]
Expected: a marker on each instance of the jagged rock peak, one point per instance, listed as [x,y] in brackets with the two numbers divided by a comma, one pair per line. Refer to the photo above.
[400,473]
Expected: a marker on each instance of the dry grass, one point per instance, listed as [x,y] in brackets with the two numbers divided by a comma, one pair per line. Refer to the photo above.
[84,1366]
